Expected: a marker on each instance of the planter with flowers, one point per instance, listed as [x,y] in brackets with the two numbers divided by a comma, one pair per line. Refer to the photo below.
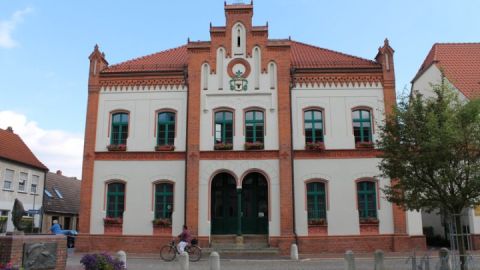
[162,226]
[254,146]
[315,146]
[317,226]
[223,146]
[369,226]
[164,147]
[117,147]
[364,145]
[113,225]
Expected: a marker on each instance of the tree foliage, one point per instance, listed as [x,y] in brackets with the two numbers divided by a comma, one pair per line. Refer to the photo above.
[432,146]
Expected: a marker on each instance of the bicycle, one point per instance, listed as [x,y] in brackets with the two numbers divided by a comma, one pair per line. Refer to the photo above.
[169,252]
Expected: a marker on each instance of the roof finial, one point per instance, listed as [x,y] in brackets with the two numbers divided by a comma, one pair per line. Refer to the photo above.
[10,129]
[225,3]
[386,43]
[95,48]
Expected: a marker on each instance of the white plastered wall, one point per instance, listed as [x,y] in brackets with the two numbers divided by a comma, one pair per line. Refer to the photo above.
[337,103]
[431,76]
[7,197]
[208,169]
[139,177]
[142,103]
[219,95]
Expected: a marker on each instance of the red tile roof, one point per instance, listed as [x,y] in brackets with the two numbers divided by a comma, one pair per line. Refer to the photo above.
[13,148]
[302,56]
[460,63]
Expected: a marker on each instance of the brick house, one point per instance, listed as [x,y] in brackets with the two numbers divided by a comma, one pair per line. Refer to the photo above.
[22,177]
[240,137]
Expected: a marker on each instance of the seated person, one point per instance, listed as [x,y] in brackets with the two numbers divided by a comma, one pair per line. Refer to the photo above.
[56,229]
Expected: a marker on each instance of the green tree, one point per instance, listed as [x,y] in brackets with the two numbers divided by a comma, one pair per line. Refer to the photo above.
[432,146]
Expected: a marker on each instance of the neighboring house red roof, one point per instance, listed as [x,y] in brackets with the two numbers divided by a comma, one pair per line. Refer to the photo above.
[69,190]
[460,63]
[302,56]
[14,149]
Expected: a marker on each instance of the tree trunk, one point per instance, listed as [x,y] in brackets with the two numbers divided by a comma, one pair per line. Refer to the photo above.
[460,241]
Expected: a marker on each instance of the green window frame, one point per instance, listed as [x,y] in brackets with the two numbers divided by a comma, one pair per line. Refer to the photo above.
[313,126]
[115,200]
[223,127]
[362,125]
[254,126]
[367,199]
[166,128]
[119,127]
[316,201]
[163,200]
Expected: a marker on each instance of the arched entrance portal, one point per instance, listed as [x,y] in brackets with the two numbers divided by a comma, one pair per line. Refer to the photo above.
[224,205]
[254,204]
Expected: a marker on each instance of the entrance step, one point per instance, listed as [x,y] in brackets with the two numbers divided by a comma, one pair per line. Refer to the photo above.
[247,243]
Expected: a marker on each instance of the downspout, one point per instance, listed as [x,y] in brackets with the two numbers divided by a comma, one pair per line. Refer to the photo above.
[185,77]
[292,70]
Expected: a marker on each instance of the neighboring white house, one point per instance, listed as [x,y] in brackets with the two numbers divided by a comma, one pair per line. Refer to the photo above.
[460,64]
[22,177]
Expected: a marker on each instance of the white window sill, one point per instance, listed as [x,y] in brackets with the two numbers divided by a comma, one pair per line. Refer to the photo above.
[21,191]
[9,190]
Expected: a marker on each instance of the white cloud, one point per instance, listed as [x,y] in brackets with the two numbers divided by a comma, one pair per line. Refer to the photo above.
[7,27]
[57,149]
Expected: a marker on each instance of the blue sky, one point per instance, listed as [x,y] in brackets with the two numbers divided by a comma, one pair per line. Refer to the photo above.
[44,47]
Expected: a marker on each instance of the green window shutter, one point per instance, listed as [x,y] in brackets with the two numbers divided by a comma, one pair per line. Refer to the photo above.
[166,128]
[316,201]
[367,199]
[224,127]
[313,124]
[163,200]
[119,129]
[254,126]
[115,200]
[362,126]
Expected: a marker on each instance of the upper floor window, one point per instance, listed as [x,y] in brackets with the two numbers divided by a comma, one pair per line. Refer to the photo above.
[119,128]
[362,126]
[316,202]
[254,127]
[115,200]
[163,200]
[22,182]
[223,127]
[313,123]
[166,128]
[367,199]
[35,180]
[7,182]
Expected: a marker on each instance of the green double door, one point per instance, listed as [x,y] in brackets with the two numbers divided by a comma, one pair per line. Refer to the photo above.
[246,208]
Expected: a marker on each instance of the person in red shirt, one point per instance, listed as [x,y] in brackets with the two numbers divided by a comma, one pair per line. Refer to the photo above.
[185,238]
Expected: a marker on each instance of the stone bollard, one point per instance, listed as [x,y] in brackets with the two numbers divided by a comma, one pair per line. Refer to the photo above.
[444,259]
[294,252]
[183,261]
[214,261]
[349,260]
[122,256]
[379,260]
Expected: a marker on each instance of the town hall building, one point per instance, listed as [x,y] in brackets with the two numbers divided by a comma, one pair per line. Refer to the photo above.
[244,139]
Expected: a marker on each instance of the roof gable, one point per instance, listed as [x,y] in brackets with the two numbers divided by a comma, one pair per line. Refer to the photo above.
[69,189]
[14,149]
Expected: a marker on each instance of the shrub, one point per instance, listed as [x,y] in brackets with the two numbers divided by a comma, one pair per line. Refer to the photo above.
[101,261]
[8,266]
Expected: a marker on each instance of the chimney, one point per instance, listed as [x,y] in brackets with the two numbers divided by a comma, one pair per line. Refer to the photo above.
[10,129]
[59,172]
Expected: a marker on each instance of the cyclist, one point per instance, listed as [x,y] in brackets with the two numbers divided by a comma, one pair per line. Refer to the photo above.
[185,238]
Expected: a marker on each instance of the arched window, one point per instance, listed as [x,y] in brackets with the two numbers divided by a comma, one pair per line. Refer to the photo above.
[220,67]
[166,128]
[313,124]
[238,39]
[362,125]
[316,202]
[272,73]
[205,73]
[119,128]
[254,126]
[367,199]
[223,127]
[163,200]
[257,59]
[115,200]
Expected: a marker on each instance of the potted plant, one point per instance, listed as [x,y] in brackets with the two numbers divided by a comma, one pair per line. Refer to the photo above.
[162,222]
[314,146]
[101,261]
[317,222]
[253,145]
[117,147]
[223,146]
[369,220]
[112,221]
[364,145]
[166,147]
